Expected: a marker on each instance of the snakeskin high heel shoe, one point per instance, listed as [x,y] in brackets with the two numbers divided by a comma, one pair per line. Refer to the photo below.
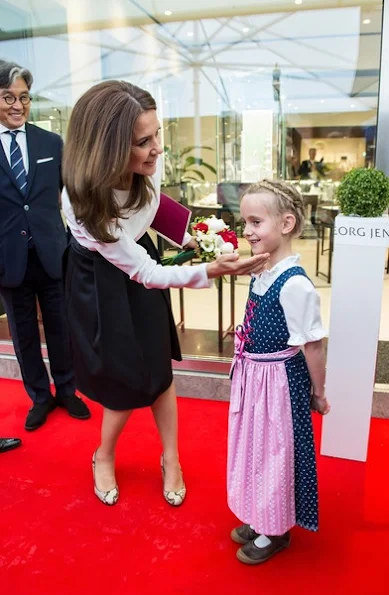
[172,498]
[111,496]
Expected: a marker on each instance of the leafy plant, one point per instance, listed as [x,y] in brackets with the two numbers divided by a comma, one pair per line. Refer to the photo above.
[364,192]
[182,167]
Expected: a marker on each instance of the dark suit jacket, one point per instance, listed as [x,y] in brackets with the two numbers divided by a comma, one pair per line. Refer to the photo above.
[37,213]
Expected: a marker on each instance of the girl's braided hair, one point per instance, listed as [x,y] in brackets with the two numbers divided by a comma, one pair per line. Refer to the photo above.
[287,199]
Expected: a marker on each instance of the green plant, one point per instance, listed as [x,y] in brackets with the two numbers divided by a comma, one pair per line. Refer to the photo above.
[180,166]
[364,192]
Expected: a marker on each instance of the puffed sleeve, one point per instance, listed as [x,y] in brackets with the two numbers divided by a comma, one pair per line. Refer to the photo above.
[301,304]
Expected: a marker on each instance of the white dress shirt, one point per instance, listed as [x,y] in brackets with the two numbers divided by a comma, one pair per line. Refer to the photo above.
[299,300]
[21,139]
[129,256]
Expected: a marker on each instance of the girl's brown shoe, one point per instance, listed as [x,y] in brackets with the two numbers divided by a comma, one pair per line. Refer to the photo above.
[251,554]
[243,534]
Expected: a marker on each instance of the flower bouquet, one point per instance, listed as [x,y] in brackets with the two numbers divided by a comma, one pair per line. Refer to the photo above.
[213,238]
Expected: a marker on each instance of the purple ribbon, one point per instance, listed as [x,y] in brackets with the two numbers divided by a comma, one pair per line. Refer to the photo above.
[243,330]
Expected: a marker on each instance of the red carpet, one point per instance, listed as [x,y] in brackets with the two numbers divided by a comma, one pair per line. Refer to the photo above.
[56,538]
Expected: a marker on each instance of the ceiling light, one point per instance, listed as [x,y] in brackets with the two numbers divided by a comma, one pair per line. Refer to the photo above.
[321,100]
[245,29]
[190,34]
[353,105]
[367,22]
[298,1]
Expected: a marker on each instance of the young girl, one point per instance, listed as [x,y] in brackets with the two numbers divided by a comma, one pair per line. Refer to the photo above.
[271,476]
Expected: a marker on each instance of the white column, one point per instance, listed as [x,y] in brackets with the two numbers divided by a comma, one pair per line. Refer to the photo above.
[357,285]
[84,57]
[195,53]
[257,139]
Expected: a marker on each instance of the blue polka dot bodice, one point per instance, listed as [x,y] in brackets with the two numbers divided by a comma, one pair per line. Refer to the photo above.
[265,331]
[265,326]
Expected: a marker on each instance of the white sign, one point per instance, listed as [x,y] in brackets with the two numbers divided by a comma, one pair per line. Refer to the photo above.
[356,296]
[361,231]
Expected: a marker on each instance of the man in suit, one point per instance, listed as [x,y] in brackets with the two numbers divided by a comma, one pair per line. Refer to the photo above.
[310,168]
[32,243]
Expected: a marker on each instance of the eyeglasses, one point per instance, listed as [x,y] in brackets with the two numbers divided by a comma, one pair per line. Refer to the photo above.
[11,99]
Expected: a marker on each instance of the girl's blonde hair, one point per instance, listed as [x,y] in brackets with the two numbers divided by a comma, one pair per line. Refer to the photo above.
[97,154]
[287,199]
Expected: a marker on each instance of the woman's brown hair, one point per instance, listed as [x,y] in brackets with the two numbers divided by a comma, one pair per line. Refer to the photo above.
[287,199]
[97,153]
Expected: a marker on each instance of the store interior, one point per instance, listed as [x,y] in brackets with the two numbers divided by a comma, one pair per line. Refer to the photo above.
[243,93]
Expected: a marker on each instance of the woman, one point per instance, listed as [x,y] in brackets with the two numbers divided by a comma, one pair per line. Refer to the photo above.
[122,329]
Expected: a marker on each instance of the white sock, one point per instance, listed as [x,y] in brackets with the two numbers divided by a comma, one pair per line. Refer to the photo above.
[262,541]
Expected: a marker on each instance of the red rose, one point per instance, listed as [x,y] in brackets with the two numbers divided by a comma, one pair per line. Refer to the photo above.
[203,227]
[229,236]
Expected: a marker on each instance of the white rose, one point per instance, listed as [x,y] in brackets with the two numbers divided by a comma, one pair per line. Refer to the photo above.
[219,241]
[227,248]
[215,224]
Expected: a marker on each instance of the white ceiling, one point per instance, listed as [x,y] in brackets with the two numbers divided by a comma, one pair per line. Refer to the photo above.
[329,58]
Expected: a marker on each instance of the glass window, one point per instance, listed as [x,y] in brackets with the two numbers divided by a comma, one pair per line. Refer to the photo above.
[261,89]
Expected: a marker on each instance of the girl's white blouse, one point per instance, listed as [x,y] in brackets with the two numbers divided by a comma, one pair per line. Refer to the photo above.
[129,256]
[299,300]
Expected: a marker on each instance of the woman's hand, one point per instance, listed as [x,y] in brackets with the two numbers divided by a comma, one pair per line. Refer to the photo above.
[231,264]
[191,245]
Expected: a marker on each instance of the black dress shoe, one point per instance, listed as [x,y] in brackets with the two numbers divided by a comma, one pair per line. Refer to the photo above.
[74,406]
[9,443]
[38,414]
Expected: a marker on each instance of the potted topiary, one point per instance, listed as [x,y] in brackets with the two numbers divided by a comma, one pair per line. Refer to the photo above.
[364,193]
[361,241]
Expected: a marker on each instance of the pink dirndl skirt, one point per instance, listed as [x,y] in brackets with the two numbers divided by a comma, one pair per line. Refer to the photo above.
[260,466]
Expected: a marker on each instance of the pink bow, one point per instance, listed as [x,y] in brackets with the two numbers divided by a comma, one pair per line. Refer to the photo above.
[243,331]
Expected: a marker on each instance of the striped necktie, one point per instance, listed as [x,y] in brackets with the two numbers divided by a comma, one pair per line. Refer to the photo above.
[17,164]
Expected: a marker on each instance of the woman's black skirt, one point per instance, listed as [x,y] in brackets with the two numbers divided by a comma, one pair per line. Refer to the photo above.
[123,335]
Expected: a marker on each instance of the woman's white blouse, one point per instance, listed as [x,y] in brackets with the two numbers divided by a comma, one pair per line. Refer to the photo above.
[299,300]
[129,256]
